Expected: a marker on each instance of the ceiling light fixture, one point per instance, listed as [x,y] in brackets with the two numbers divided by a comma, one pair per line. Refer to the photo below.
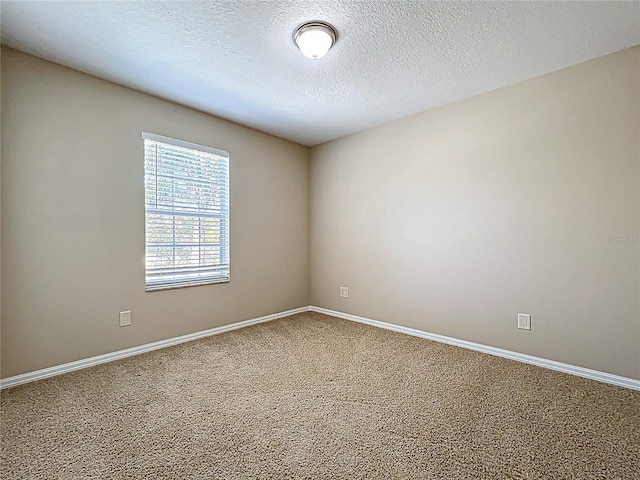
[314,39]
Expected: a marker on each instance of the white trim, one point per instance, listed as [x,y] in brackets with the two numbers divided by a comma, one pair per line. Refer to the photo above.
[498,352]
[129,352]
[183,144]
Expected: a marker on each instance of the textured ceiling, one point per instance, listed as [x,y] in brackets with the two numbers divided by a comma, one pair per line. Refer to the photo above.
[237,60]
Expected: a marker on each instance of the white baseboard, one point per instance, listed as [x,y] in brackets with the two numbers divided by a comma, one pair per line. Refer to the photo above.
[110,357]
[498,352]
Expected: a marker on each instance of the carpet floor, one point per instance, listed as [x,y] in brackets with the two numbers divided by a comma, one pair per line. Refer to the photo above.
[315,397]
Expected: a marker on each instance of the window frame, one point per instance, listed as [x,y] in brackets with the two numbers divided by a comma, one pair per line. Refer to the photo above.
[165,284]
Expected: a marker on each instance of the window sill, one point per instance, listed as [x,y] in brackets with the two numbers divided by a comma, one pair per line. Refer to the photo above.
[173,286]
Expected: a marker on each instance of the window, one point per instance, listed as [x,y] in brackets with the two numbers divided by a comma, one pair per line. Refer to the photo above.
[186,213]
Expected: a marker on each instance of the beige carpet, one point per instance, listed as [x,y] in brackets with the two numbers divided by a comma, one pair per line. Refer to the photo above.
[315,397]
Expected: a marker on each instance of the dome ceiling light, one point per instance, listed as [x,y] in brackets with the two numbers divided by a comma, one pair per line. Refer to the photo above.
[314,39]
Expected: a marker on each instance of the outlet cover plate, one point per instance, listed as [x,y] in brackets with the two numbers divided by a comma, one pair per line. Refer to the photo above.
[524,321]
[344,292]
[125,318]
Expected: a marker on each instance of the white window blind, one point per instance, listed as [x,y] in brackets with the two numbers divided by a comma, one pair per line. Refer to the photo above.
[186,213]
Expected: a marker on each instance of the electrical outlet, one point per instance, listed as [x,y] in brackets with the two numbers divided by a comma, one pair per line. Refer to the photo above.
[344,292]
[524,321]
[125,318]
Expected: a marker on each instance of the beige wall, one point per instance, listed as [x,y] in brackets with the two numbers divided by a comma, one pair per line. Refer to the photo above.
[455,220]
[451,221]
[73,219]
